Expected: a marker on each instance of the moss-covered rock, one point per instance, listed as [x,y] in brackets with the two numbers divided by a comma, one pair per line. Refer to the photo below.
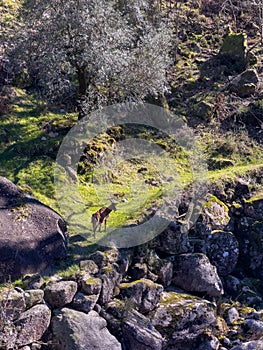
[134,329]
[215,213]
[233,52]
[223,251]
[204,110]
[182,319]
[245,84]
[144,293]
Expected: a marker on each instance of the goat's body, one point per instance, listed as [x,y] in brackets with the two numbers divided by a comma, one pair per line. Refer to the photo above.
[101,216]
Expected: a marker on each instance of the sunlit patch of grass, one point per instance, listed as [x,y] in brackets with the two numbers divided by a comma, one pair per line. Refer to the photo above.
[27,152]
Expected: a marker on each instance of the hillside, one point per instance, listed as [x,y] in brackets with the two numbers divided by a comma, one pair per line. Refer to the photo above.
[180,265]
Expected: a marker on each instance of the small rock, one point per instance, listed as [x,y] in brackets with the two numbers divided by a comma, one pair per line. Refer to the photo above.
[182,319]
[89,266]
[232,315]
[110,277]
[33,297]
[91,286]
[12,303]
[223,251]
[144,293]
[60,293]
[138,271]
[172,241]
[215,214]
[83,302]
[136,330]
[244,85]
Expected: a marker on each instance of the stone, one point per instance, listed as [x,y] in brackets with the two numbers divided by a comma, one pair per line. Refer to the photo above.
[32,235]
[232,315]
[195,273]
[254,328]
[138,333]
[74,330]
[215,213]
[83,302]
[89,266]
[249,232]
[245,84]
[138,271]
[91,285]
[182,319]
[144,293]
[110,277]
[211,343]
[233,52]
[32,324]
[135,330]
[223,251]
[251,345]
[60,293]
[172,241]
[33,297]
[102,259]
[12,304]
[162,268]
[204,110]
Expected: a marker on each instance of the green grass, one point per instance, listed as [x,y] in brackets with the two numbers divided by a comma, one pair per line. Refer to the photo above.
[27,153]
[139,184]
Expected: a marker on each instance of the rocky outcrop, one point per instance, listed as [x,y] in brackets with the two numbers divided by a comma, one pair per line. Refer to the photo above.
[74,330]
[31,234]
[157,296]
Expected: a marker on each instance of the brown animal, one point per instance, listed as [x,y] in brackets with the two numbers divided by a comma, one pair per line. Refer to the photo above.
[101,216]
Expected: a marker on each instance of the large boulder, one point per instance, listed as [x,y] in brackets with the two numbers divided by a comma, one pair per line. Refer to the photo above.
[32,235]
[74,330]
[183,320]
[195,273]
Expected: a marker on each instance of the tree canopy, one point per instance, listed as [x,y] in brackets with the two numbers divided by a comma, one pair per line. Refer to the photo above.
[109,50]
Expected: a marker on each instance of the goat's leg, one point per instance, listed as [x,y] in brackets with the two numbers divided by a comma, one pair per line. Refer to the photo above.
[105,224]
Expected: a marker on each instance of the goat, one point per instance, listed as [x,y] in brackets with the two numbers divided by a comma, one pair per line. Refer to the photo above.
[101,216]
